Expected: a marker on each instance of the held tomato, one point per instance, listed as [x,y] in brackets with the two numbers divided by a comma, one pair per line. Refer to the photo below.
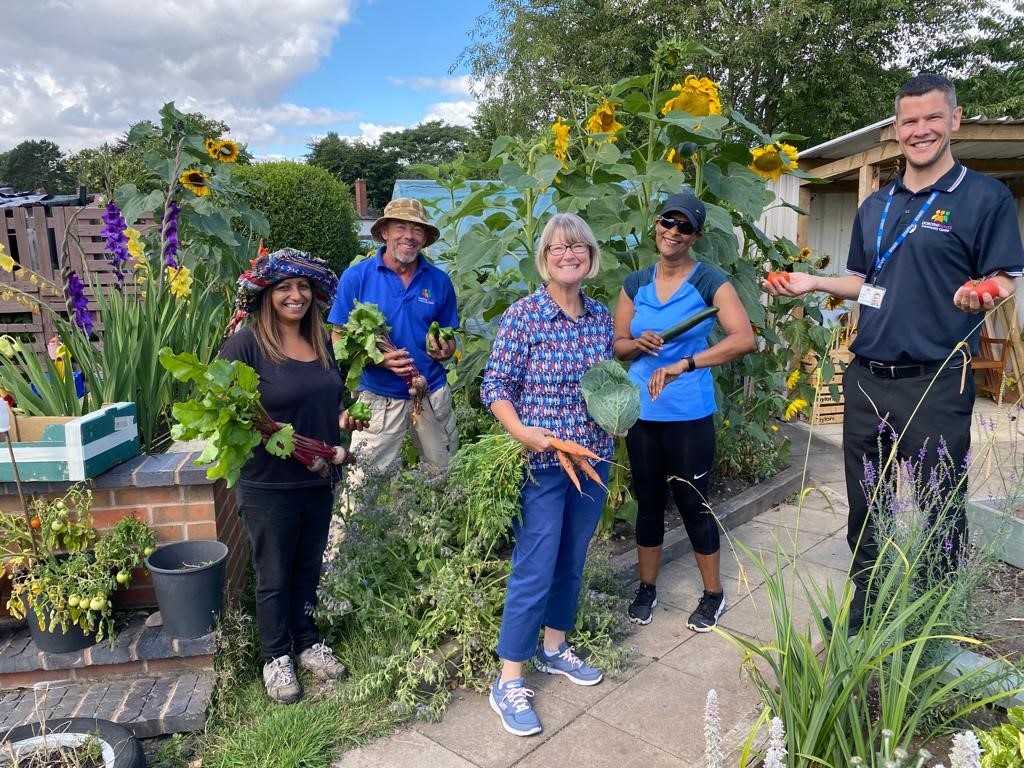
[777,278]
[979,287]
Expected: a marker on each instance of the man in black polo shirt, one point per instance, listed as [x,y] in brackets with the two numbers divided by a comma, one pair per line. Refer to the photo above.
[914,244]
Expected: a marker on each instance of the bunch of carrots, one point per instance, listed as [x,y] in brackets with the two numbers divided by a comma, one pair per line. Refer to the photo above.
[573,456]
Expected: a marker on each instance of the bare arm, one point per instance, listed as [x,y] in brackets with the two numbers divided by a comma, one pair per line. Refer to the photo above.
[801,283]
[626,347]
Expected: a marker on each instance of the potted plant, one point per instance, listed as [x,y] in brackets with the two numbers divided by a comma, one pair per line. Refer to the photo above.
[63,572]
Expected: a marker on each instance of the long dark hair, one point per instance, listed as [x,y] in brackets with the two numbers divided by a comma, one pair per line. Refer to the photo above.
[264,326]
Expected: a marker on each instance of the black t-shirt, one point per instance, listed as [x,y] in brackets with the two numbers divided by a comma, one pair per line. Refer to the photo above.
[301,394]
[969,231]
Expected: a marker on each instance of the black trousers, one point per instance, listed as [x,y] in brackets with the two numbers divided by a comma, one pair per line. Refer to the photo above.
[288,532]
[682,449]
[929,422]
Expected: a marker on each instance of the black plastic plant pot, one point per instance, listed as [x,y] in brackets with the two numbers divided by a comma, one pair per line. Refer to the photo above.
[120,749]
[188,578]
[53,639]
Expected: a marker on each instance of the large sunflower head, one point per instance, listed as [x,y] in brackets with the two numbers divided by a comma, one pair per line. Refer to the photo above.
[603,122]
[226,151]
[698,96]
[196,182]
[773,160]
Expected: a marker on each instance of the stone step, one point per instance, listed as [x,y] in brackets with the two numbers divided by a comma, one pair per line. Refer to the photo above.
[136,651]
[147,706]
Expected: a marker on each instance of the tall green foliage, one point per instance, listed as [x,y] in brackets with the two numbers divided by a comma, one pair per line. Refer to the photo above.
[306,208]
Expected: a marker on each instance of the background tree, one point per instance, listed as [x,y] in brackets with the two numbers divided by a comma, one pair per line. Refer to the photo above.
[813,68]
[349,160]
[34,164]
[433,142]
[307,208]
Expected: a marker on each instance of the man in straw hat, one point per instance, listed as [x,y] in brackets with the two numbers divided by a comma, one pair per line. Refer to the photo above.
[412,293]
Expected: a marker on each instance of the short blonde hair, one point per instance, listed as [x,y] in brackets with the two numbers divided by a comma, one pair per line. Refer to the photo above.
[575,230]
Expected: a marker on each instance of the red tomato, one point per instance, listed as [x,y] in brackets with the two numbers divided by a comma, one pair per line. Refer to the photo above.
[37,523]
[989,286]
[777,278]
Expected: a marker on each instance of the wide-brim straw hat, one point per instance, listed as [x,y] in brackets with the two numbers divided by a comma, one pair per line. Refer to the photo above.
[405,209]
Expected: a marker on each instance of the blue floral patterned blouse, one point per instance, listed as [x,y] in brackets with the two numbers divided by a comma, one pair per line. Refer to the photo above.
[536,364]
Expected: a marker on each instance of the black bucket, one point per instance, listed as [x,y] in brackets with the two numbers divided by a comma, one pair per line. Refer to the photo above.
[53,639]
[188,578]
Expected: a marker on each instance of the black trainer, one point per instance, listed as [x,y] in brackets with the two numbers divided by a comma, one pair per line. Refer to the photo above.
[641,610]
[709,608]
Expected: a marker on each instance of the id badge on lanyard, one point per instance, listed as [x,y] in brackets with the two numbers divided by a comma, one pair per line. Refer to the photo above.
[871,294]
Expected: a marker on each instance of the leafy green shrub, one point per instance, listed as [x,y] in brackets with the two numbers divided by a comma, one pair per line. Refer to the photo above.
[307,209]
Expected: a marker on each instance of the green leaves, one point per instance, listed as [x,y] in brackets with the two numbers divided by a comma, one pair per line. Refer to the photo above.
[226,413]
[358,340]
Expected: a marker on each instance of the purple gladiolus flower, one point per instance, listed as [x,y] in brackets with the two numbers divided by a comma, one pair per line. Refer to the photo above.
[78,303]
[171,234]
[117,241]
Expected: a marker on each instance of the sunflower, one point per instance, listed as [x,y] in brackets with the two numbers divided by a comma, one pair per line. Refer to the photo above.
[795,407]
[675,158]
[805,253]
[226,151]
[773,160]
[179,281]
[211,147]
[561,132]
[823,262]
[195,181]
[834,302]
[698,96]
[793,379]
[603,122]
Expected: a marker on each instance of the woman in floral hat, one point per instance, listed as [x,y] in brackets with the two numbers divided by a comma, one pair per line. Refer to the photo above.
[286,506]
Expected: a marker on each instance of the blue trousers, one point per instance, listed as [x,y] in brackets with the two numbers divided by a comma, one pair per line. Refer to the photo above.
[547,563]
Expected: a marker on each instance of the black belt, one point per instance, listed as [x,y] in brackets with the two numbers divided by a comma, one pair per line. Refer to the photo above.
[904,370]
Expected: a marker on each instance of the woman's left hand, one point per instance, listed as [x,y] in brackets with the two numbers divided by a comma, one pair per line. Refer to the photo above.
[662,377]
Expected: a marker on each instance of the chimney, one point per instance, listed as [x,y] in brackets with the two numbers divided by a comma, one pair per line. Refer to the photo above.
[362,210]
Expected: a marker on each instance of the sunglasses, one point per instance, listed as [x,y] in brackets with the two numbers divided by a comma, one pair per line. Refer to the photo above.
[684,227]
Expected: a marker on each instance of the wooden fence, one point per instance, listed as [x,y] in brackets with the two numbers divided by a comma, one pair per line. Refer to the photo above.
[44,239]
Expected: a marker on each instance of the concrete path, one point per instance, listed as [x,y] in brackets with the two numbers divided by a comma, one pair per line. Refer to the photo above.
[652,715]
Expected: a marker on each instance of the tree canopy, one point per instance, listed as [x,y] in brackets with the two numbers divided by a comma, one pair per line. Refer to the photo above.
[35,164]
[818,68]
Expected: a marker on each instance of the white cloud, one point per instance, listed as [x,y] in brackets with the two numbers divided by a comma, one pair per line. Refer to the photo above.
[457,86]
[452,112]
[80,72]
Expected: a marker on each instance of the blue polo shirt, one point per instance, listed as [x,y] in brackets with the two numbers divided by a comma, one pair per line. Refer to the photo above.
[409,311]
[969,231]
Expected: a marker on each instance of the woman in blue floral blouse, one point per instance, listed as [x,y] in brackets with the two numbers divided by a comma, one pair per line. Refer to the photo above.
[545,343]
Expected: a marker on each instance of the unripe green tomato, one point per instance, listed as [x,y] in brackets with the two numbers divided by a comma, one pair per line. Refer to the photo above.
[56,526]
[97,604]
[148,551]
[74,600]
[122,577]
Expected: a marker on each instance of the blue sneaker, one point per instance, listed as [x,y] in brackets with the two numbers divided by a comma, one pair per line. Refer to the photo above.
[567,663]
[512,702]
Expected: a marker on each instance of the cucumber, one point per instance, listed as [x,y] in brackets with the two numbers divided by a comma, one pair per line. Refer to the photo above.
[688,323]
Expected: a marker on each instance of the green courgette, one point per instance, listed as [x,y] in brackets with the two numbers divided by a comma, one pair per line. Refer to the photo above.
[688,323]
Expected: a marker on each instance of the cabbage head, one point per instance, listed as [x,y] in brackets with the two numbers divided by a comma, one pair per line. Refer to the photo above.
[613,401]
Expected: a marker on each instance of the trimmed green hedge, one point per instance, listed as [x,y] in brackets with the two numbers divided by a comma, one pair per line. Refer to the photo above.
[307,209]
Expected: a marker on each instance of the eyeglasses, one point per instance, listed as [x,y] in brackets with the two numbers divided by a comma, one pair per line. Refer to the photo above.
[559,250]
[684,227]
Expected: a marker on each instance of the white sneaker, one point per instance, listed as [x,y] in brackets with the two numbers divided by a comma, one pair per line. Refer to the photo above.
[279,677]
[321,661]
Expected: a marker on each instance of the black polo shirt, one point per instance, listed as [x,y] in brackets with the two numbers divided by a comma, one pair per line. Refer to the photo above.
[969,231]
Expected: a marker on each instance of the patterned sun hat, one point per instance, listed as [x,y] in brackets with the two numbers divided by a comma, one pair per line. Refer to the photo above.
[268,269]
[406,209]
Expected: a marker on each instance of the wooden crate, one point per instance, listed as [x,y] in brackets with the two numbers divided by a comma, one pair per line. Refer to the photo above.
[826,409]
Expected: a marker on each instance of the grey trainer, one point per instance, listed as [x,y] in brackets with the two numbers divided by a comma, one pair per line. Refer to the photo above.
[321,661]
[279,677]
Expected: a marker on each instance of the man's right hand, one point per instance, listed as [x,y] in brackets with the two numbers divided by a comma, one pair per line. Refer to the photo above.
[794,286]
[399,363]
[348,424]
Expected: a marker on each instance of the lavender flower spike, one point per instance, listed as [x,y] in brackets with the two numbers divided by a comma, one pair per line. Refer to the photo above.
[966,751]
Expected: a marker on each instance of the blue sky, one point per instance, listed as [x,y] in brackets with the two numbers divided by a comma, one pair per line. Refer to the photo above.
[279,73]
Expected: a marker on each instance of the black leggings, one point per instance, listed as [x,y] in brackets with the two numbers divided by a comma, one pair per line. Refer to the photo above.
[684,449]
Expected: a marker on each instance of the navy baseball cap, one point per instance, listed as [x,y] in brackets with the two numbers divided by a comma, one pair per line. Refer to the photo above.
[686,202]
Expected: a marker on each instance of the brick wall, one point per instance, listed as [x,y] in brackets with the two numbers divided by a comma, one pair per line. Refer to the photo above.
[171,496]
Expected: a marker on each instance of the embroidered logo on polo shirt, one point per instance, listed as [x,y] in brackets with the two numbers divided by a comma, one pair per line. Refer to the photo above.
[939,221]
[425,296]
